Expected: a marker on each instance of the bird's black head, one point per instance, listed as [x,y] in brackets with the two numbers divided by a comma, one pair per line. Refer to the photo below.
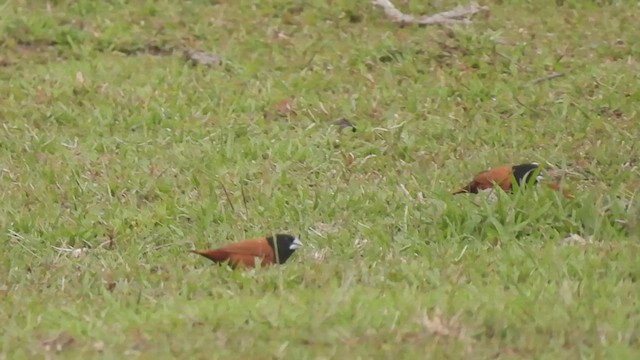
[523,173]
[283,246]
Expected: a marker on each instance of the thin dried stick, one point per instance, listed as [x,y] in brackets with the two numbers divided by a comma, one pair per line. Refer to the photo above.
[226,193]
[459,14]
[547,77]
[244,200]
[526,106]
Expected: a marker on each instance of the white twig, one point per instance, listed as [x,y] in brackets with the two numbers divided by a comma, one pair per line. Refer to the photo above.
[456,15]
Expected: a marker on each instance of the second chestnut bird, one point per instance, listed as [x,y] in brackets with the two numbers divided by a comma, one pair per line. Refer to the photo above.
[503,176]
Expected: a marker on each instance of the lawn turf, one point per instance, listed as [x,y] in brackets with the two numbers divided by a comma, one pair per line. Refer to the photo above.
[117,156]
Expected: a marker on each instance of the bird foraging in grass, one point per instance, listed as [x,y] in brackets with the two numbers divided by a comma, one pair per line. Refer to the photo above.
[506,175]
[247,253]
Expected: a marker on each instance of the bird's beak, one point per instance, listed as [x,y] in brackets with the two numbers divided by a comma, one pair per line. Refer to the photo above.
[295,244]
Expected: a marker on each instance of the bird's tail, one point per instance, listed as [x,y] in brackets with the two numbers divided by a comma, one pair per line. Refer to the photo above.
[459,191]
[213,255]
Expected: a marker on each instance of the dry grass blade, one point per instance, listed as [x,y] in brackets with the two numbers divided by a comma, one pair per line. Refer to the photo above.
[58,342]
[437,325]
[320,255]
[244,201]
[575,239]
[74,252]
[450,328]
[19,239]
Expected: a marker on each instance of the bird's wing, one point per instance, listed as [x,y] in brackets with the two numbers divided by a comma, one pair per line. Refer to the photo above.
[500,175]
[254,247]
[243,253]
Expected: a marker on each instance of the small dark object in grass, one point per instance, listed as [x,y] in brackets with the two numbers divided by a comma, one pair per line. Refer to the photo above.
[202,58]
[343,123]
[354,17]
[295,10]
[606,111]
[390,56]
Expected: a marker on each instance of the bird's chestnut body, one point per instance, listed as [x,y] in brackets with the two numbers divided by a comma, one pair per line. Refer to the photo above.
[504,176]
[247,253]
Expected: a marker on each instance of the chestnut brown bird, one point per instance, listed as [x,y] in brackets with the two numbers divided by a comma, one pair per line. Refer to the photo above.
[246,253]
[503,176]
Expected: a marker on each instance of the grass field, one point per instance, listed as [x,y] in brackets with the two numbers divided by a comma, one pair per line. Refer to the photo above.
[116,154]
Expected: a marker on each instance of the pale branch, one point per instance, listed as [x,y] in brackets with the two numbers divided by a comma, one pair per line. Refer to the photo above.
[456,15]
